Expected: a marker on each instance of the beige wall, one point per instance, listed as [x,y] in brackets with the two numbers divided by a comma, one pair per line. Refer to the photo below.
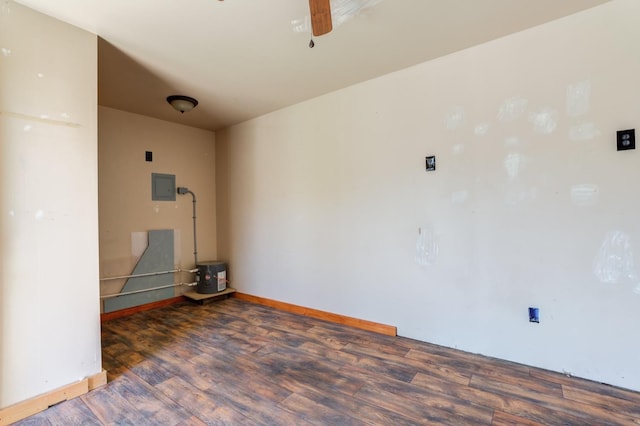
[49,310]
[125,200]
[327,203]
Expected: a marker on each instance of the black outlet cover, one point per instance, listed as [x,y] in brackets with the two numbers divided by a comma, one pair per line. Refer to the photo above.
[626,139]
[430,163]
[148,156]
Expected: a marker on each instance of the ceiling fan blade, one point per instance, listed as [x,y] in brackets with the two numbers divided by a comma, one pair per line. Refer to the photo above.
[320,16]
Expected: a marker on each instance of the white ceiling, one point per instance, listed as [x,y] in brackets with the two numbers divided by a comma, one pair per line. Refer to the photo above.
[243,58]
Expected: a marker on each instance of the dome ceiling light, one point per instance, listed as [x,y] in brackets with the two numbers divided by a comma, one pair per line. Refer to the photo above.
[182,103]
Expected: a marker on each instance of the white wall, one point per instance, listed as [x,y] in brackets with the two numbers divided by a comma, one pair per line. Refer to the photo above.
[49,310]
[321,204]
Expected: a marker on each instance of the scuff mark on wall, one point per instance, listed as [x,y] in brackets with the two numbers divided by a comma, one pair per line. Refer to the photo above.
[513,163]
[545,121]
[455,119]
[458,149]
[517,193]
[512,109]
[481,129]
[584,195]
[583,131]
[614,261]
[426,247]
[578,98]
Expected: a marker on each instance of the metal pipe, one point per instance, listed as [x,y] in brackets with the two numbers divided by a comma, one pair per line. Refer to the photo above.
[195,243]
[149,274]
[109,296]
[185,190]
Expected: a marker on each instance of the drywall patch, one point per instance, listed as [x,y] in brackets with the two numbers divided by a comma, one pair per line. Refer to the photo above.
[513,163]
[481,129]
[512,109]
[583,132]
[516,193]
[614,261]
[157,257]
[584,195]
[426,247]
[455,119]
[545,121]
[139,243]
[459,197]
[512,141]
[578,98]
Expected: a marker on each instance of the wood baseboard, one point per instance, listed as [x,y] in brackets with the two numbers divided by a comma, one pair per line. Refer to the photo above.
[130,311]
[385,329]
[388,330]
[97,380]
[24,409]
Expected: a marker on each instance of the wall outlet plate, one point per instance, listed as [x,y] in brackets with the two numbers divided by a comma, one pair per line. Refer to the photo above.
[626,139]
[430,163]
[534,315]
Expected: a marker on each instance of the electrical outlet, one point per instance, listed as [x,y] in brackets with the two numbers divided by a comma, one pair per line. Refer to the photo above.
[534,315]
[430,163]
[626,139]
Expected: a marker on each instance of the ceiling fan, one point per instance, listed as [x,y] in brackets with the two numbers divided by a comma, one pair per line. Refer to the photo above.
[320,17]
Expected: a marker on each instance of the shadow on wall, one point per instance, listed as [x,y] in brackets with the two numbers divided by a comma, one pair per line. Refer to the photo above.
[127,85]
[223,212]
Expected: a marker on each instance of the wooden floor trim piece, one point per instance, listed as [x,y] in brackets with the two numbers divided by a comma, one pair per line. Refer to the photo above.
[27,408]
[107,316]
[97,380]
[385,329]
[24,409]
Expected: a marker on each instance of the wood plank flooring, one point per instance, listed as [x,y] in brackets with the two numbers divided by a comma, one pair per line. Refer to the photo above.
[237,363]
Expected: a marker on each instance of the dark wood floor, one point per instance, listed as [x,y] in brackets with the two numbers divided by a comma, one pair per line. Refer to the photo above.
[237,363]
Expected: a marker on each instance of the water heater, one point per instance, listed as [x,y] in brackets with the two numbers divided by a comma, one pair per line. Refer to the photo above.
[212,277]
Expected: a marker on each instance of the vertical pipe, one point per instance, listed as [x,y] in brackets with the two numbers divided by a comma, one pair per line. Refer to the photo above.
[195,243]
[185,190]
